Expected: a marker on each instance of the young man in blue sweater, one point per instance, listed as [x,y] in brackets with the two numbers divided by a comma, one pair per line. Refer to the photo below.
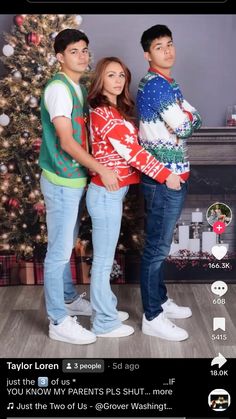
[166,120]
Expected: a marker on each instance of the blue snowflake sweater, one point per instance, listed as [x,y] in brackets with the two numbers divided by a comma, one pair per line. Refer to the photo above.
[160,106]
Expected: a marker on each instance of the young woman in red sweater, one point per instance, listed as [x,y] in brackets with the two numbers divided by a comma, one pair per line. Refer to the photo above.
[114,143]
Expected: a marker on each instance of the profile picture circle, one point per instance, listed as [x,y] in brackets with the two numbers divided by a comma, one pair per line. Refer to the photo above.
[219,211]
[219,399]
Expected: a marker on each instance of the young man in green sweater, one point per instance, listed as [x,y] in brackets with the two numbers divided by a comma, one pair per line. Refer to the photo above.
[64,160]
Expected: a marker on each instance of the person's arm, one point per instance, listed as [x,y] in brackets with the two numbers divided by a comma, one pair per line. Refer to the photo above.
[123,137]
[162,98]
[64,131]
[127,146]
[196,118]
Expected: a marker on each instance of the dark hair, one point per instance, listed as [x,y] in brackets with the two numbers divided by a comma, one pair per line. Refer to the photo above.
[155,32]
[125,104]
[67,37]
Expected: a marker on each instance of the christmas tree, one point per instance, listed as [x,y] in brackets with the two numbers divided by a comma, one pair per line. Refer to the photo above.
[29,59]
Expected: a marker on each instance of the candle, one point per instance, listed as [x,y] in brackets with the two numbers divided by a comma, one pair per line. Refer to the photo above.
[183,237]
[208,241]
[194,245]
[174,249]
[197,216]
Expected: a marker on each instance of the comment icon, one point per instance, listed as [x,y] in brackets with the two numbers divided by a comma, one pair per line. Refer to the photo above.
[219,288]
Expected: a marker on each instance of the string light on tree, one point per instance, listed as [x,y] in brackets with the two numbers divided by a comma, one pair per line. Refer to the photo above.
[33,102]
[17,76]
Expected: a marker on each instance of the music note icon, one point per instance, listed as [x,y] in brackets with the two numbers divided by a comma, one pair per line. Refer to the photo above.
[10,406]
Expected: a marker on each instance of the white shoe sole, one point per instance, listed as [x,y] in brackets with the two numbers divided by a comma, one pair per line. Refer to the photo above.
[113,334]
[175,316]
[63,339]
[150,332]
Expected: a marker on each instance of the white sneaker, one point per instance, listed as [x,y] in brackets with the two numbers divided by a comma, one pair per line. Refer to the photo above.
[79,307]
[123,315]
[70,331]
[120,332]
[173,311]
[163,328]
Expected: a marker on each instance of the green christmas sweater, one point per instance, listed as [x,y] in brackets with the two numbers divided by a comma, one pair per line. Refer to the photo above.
[58,166]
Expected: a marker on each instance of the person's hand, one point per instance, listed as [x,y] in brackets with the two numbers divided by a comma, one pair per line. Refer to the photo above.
[171,131]
[110,180]
[174,182]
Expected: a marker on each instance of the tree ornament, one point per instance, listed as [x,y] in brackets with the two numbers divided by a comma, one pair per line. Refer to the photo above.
[17,76]
[51,59]
[33,102]
[4,120]
[3,169]
[8,50]
[25,134]
[33,38]
[39,207]
[38,69]
[36,145]
[53,35]
[13,203]
[78,19]
[18,20]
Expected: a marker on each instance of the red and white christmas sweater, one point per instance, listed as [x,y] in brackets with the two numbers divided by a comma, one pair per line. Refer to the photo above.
[114,142]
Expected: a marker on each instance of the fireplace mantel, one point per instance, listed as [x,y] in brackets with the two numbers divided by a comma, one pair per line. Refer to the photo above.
[213,146]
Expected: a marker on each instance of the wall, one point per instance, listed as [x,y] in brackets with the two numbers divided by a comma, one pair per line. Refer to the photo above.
[206,59]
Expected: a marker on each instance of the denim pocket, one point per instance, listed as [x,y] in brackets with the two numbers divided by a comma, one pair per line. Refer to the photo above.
[174,190]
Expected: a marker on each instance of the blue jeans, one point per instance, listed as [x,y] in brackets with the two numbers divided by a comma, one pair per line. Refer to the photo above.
[105,209]
[163,208]
[62,213]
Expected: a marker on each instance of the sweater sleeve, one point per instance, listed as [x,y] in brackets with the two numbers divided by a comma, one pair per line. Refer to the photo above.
[196,118]
[123,137]
[162,98]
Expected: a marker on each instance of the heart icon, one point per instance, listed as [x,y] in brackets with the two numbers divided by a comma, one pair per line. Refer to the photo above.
[219,251]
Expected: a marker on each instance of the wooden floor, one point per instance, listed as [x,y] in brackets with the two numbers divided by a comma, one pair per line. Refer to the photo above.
[24,326]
